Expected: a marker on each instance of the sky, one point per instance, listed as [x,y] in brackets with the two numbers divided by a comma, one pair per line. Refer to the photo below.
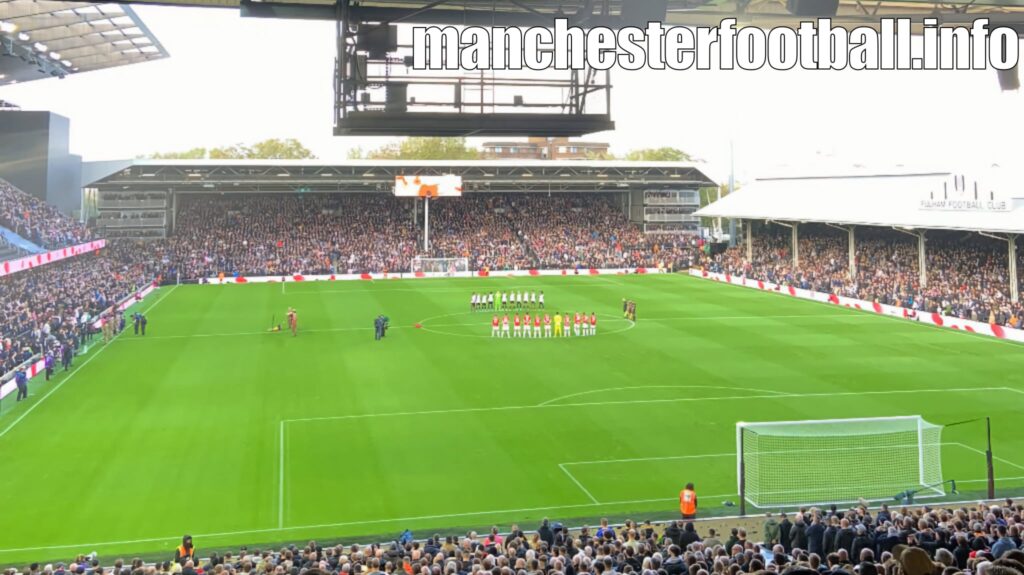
[231,79]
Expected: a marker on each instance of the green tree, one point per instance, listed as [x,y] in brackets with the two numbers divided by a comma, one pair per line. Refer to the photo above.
[271,149]
[659,155]
[425,149]
[193,154]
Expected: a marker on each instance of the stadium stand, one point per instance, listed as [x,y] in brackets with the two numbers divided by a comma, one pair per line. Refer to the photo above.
[982,539]
[51,307]
[967,275]
[37,221]
[318,234]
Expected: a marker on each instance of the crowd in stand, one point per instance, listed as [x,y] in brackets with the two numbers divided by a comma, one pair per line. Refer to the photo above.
[37,221]
[50,308]
[967,274]
[320,234]
[977,540]
[323,233]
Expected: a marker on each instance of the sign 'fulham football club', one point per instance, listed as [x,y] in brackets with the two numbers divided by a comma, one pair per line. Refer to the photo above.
[957,196]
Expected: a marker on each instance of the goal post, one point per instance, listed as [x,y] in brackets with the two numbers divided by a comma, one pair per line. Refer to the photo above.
[448,267]
[820,462]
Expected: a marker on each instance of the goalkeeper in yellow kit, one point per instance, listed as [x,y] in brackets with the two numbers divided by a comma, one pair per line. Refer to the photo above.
[558,325]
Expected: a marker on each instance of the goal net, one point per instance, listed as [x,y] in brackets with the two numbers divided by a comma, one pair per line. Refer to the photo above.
[450,267]
[838,460]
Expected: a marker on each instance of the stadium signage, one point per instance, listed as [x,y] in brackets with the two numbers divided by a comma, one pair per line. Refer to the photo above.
[966,205]
[956,196]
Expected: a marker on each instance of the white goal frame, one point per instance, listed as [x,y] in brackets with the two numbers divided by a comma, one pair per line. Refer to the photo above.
[928,453]
[441,267]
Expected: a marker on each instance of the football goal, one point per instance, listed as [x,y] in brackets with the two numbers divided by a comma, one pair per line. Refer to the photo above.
[837,460]
[451,267]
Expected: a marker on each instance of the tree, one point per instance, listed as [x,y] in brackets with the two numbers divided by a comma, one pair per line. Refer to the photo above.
[193,154]
[271,149]
[424,149]
[659,155]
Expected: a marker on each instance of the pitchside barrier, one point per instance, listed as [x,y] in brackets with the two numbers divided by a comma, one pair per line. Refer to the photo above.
[427,275]
[936,319]
[31,262]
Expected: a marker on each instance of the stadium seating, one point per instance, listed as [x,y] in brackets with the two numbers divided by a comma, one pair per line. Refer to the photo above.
[50,307]
[318,234]
[967,273]
[977,540]
[37,221]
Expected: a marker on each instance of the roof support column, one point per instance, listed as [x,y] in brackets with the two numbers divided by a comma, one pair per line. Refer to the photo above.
[1014,282]
[922,258]
[796,246]
[852,242]
[1011,240]
[853,252]
[749,224]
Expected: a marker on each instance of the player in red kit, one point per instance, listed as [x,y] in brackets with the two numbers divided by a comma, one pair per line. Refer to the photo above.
[547,325]
[593,323]
[504,326]
[494,326]
[536,326]
[577,323]
[293,321]
[517,329]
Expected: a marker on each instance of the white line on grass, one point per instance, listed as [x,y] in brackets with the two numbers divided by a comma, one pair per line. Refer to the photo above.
[594,391]
[60,384]
[280,483]
[172,538]
[976,450]
[578,484]
[647,401]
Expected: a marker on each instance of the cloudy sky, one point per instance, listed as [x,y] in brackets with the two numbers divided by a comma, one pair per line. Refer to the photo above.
[232,80]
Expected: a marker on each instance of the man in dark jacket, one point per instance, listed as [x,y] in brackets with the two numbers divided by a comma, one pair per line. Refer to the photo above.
[845,536]
[689,536]
[545,533]
[673,532]
[828,539]
[816,537]
[785,526]
[798,534]
[861,541]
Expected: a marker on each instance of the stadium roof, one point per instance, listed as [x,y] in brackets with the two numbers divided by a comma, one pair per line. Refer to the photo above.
[762,13]
[44,39]
[379,175]
[993,202]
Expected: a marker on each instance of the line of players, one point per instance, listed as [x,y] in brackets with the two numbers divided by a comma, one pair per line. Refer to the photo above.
[560,326]
[507,300]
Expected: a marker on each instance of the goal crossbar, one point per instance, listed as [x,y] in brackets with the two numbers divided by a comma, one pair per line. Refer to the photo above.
[838,460]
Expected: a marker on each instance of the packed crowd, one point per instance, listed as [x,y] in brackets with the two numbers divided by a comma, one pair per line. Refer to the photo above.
[50,308]
[37,221]
[978,540]
[322,234]
[967,274]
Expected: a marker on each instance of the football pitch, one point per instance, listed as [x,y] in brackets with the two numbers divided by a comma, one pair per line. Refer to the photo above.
[213,426]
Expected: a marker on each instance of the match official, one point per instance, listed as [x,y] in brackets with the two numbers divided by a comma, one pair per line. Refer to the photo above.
[185,552]
[688,502]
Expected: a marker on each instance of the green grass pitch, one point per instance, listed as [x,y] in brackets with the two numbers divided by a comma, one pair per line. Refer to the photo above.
[212,426]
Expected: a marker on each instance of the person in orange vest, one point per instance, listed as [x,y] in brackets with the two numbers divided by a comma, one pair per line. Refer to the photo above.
[185,552]
[688,502]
